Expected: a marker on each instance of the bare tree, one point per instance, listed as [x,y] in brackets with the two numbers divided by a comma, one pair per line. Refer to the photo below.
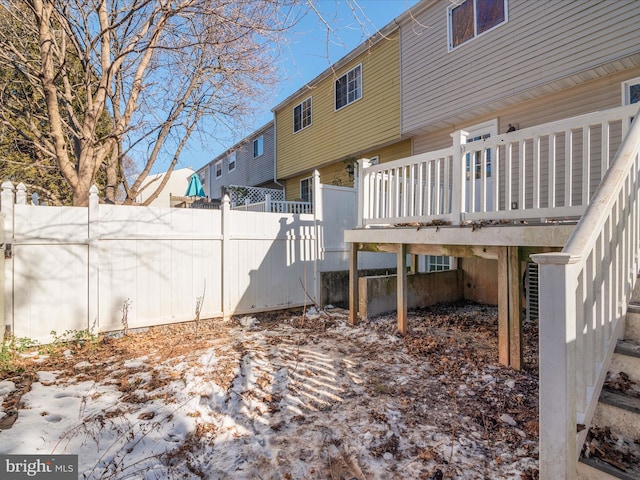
[121,79]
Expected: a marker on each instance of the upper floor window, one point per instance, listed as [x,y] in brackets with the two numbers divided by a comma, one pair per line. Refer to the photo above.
[302,115]
[349,87]
[631,91]
[258,146]
[470,18]
[218,168]
[231,165]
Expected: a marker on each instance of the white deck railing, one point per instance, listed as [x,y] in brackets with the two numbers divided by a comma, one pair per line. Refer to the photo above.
[276,206]
[537,173]
[584,292]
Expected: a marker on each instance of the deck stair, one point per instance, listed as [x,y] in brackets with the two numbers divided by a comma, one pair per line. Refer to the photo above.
[612,449]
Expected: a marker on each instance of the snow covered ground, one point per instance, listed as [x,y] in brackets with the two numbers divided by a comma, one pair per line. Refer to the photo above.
[285,396]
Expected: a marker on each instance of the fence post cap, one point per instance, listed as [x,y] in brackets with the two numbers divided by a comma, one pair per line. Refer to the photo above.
[7,185]
[555,258]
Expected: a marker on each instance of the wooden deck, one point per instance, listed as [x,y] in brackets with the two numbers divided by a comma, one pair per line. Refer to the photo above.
[508,243]
[505,198]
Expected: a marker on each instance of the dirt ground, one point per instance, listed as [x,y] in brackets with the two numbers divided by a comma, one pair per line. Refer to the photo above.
[287,395]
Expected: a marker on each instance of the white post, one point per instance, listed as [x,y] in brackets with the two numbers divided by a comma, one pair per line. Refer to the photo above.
[267,203]
[7,204]
[557,354]
[93,232]
[318,213]
[362,190]
[226,265]
[458,202]
[21,194]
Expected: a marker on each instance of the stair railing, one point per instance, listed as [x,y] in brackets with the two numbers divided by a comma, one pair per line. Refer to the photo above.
[583,292]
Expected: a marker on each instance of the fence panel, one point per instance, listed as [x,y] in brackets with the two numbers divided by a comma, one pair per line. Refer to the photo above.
[272,259]
[157,263]
[50,278]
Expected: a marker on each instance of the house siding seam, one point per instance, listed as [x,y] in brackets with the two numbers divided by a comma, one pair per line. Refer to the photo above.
[334,135]
[541,43]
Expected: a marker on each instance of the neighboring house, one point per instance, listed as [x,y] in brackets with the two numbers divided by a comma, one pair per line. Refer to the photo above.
[249,163]
[175,186]
[349,111]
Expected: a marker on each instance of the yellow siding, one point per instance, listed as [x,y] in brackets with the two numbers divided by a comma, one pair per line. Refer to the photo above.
[371,121]
[336,173]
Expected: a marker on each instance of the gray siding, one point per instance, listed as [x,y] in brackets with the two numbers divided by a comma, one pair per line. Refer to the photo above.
[249,171]
[545,47]
[595,95]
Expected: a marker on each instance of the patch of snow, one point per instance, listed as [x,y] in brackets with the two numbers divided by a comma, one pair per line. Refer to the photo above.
[284,402]
[249,322]
[6,387]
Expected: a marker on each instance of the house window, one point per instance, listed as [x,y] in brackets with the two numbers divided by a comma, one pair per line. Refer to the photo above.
[349,87]
[438,263]
[470,18]
[306,193]
[231,165]
[631,91]
[218,167]
[258,146]
[302,115]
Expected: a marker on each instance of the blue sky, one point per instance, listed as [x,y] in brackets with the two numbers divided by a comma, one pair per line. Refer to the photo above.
[308,53]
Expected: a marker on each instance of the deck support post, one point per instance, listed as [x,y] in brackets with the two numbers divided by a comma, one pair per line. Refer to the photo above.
[353,284]
[402,288]
[509,308]
[515,309]
[413,265]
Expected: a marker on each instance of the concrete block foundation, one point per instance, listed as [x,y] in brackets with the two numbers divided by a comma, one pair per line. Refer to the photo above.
[377,294]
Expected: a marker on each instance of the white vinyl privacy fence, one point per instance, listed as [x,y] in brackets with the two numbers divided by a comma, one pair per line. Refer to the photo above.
[105,267]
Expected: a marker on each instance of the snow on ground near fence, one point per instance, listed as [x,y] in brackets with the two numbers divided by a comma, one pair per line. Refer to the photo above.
[287,396]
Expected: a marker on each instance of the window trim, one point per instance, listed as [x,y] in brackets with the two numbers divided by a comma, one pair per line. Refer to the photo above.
[626,91]
[215,168]
[260,142]
[335,89]
[458,3]
[310,100]
[235,161]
